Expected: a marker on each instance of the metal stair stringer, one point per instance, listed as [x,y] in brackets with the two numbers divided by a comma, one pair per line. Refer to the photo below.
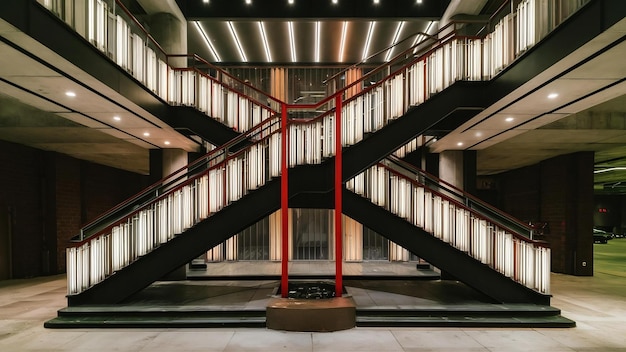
[183,248]
[440,254]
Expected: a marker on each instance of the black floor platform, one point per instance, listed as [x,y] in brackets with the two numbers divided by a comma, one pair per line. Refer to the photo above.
[214,303]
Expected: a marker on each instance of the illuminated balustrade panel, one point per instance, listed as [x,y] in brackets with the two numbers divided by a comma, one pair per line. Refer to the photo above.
[516,257]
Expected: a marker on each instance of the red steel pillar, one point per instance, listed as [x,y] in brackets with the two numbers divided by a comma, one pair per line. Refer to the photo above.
[284,203]
[338,201]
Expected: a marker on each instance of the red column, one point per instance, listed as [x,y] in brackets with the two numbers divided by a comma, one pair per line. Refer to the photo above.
[338,201]
[284,203]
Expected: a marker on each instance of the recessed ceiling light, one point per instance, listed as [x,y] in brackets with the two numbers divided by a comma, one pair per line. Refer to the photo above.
[290,2]
[318,29]
[292,41]
[146,134]
[552,95]
[342,45]
[368,41]
[509,119]
[266,46]
[419,1]
[479,134]
[335,1]
[394,41]
[233,33]
[205,1]
[167,142]
[117,118]
[69,93]
[459,144]
[376,1]
[248,2]
[207,41]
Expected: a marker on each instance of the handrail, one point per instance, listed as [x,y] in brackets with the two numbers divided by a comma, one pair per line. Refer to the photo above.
[177,187]
[141,27]
[196,57]
[330,98]
[463,206]
[460,193]
[175,176]
[426,35]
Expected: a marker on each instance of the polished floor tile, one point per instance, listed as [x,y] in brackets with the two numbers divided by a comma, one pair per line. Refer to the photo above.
[597,304]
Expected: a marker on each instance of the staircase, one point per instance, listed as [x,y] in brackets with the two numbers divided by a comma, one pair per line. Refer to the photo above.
[232,187]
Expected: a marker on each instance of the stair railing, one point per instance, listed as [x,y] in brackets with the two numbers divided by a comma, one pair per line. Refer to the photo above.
[173,205]
[502,249]
[183,203]
[496,215]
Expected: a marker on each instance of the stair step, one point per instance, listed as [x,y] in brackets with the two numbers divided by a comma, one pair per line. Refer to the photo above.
[464,321]
[484,310]
[64,322]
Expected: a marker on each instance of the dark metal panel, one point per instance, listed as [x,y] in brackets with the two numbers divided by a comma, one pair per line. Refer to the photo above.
[309,9]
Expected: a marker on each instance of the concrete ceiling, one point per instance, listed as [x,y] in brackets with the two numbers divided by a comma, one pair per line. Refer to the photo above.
[96,123]
[588,115]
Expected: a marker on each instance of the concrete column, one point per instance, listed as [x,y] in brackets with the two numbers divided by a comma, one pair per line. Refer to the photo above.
[168,26]
[172,160]
[451,167]
[458,167]
[567,205]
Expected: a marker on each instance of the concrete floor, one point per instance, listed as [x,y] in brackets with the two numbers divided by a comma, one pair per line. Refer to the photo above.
[597,304]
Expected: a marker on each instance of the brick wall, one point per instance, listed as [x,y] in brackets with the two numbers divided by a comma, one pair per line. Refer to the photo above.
[558,191]
[20,200]
[49,197]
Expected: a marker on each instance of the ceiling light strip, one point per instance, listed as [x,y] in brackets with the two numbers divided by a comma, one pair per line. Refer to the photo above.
[292,42]
[317,40]
[420,37]
[216,56]
[342,46]
[266,46]
[237,42]
[394,41]
[368,41]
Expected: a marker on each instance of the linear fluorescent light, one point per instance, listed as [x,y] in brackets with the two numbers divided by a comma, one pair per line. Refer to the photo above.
[342,47]
[610,169]
[292,41]
[317,40]
[268,54]
[233,33]
[207,41]
[368,41]
[419,37]
[394,41]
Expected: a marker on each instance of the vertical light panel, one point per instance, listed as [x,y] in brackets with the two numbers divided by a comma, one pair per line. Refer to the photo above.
[208,42]
[394,41]
[342,46]
[268,53]
[292,41]
[233,33]
[368,41]
[317,40]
